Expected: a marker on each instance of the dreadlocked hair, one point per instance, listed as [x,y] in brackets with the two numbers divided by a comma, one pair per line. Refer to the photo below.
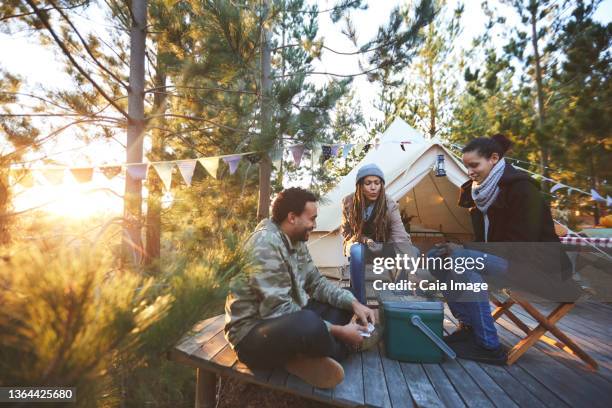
[379,214]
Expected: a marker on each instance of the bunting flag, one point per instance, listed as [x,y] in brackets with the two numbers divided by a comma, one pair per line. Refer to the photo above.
[83,174]
[137,171]
[253,158]
[297,151]
[211,164]
[334,150]
[232,162]
[347,149]
[359,148]
[316,153]
[557,187]
[54,176]
[186,168]
[164,171]
[608,201]
[23,177]
[595,196]
[366,148]
[276,157]
[326,152]
[110,171]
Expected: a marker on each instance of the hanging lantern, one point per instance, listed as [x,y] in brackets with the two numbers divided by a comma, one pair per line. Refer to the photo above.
[439,169]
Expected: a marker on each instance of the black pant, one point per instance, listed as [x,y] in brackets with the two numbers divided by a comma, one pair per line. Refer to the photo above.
[273,342]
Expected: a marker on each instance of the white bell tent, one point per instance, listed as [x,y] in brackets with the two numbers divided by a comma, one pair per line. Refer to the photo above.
[429,202]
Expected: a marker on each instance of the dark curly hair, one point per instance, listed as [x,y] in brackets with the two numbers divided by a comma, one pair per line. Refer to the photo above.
[486,146]
[293,200]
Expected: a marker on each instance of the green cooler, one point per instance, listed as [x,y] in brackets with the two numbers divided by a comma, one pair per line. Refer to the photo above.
[413,331]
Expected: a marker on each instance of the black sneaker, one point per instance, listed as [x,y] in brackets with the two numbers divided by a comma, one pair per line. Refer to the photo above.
[462,333]
[470,350]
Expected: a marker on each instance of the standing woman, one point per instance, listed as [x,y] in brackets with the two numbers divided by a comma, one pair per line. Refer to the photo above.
[506,205]
[372,218]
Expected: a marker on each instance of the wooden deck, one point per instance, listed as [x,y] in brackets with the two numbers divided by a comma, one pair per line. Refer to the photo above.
[544,377]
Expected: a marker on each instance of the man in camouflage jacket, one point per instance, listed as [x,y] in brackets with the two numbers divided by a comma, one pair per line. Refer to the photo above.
[282,310]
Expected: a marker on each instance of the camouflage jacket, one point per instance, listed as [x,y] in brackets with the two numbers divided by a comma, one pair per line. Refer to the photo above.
[281,281]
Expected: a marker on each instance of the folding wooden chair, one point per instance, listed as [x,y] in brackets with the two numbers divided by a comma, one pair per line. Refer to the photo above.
[546,324]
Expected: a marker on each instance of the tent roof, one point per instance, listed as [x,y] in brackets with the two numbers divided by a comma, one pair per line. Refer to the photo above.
[403,171]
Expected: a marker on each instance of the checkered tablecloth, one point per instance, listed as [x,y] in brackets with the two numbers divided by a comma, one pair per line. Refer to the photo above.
[582,241]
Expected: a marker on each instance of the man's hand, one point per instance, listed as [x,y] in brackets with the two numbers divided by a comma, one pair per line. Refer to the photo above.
[364,314]
[349,334]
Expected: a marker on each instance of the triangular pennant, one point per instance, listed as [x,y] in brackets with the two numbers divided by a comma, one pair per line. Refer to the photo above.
[334,150]
[570,191]
[110,171]
[326,152]
[276,157]
[186,168]
[164,171]
[557,187]
[137,171]
[359,148]
[232,162]
[211,164]
[608,201]
[23,177]
[54,176]
[83,174]
[595,196]
[297,151]
[347,149]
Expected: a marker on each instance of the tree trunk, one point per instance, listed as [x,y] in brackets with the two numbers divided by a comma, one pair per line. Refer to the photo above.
[5,236]
[132,240]
[433,111]
[153,223]
[544,150]
[265,166]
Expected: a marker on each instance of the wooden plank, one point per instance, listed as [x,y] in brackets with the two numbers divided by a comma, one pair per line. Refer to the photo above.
[443,386]
[210,349]
[299,386]
[208,329]
[422,392]
[399,394]
[519,393]
[465,386]
[545,395]
[226,357]
[375,385]
[206,389]
[495,393]
[278,377]
[351,389]
[575,388]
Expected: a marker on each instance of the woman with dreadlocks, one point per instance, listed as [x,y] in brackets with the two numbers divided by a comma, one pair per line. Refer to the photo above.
[372,218]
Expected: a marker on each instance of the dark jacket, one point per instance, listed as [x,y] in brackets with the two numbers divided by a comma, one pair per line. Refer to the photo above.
[519,215]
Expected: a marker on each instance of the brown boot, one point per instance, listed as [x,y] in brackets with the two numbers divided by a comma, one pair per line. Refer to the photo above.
[321,372]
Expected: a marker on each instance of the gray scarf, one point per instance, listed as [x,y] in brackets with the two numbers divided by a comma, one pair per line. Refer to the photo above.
[484,194]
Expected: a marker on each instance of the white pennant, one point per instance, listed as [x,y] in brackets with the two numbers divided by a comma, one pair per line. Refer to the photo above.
[608,201]
[138,171]
[211,164]
[297,151]
[557,187]
[347,149]
[186,168]
[359,148]
[596,196]
[164,171]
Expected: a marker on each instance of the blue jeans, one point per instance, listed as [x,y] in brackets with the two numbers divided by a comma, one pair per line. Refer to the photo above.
[472,309]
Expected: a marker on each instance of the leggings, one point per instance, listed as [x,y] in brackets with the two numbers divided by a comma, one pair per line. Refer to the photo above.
[273,342]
